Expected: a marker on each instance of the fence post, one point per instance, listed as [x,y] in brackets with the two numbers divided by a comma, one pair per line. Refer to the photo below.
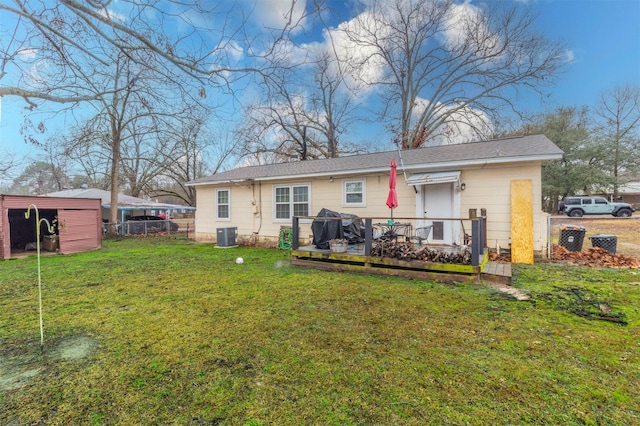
[368,236]
[294,233]
[476,246]
[549,242]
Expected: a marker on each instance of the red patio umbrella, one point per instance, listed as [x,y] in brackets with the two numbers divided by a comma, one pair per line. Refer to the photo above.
[392,198]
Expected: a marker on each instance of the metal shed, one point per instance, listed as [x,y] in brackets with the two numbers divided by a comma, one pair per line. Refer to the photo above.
[77,223]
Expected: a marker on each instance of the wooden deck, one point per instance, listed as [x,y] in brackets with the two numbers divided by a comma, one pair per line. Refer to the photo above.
[497,272]
[355,261]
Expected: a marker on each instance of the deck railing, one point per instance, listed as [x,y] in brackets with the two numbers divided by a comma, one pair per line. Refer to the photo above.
[477,237]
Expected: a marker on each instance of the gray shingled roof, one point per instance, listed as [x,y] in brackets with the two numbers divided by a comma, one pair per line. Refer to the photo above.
[526,148]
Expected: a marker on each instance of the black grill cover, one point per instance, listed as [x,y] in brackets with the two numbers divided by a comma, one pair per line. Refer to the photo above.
[350,228]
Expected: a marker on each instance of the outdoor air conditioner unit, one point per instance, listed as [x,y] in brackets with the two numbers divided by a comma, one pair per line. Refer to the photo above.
[226,237]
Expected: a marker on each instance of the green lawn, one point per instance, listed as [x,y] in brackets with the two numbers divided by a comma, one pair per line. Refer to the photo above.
[184,335]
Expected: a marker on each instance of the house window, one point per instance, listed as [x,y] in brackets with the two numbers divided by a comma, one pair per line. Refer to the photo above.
[291,201]
[353,193]
[223,205]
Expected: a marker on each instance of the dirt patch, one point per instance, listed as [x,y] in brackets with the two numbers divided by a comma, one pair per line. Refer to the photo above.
[18,367]
[508,290]
[74,348]
[585,303]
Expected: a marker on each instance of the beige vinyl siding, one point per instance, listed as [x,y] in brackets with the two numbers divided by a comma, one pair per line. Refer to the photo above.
[323,193]
[252,203]
[240,208]
[490,188]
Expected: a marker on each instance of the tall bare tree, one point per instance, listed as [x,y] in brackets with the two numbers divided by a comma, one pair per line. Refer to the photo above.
[305,108]
[619,131]
[43,42]
[200,151]
[68,51]
[89,154]
[445,66]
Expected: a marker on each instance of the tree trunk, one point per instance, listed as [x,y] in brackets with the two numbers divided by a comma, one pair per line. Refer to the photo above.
[115,178]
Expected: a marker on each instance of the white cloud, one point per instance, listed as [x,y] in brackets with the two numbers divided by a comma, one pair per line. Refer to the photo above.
[112,15]
[234,50]
[367,66]
[37,74]
[464,20]
[461,126]
[27,53]
[570,56]
[276,14]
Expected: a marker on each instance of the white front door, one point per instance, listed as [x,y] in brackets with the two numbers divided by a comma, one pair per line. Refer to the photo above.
[440,201]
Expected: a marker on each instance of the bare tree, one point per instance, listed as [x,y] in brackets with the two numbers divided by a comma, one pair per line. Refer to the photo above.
[445,66]
[89,154]
[7,164]
[619,130]
[71,52]
[199,152]
[43,42]
[38,178]
[305,108]
[131,110]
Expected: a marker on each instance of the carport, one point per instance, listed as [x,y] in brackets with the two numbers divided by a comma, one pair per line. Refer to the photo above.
[127,205]
[76,221]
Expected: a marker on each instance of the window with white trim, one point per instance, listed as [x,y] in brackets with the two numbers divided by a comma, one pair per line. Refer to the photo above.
[353,193]
[223,204]
[293,200]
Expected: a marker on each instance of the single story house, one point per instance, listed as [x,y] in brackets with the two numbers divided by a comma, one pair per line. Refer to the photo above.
[630,193]
[436,185]
[76,221]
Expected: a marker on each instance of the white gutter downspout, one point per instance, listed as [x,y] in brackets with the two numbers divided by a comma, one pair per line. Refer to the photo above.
[404,172]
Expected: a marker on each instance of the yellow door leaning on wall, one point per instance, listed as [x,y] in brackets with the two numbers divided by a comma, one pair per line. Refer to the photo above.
[522,221]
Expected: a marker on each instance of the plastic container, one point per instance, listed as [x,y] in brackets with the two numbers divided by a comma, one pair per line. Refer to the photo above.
[605,241]
[572,236]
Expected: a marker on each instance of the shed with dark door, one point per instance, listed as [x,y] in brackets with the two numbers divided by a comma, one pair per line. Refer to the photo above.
[76,222]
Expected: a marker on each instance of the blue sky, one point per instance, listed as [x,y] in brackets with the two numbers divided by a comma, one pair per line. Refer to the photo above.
[602,37]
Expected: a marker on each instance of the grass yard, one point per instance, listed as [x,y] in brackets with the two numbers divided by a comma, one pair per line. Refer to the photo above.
[167,331]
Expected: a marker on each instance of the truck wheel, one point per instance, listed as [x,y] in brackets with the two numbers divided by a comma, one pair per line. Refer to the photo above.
[624,213]
[575,213]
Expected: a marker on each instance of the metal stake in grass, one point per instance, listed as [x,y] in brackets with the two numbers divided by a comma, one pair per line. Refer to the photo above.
[27,214]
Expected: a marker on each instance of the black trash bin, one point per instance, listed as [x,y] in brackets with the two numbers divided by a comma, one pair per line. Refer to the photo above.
[607,242]
[572,236]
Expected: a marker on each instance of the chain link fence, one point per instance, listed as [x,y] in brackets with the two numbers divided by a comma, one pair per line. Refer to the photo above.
[616,235]
[148,227]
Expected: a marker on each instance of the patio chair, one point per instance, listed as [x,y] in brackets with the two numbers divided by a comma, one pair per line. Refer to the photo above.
[421,234]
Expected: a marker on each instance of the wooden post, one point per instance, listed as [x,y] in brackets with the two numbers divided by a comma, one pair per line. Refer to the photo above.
[295,243]
[368,236]
[476,242]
